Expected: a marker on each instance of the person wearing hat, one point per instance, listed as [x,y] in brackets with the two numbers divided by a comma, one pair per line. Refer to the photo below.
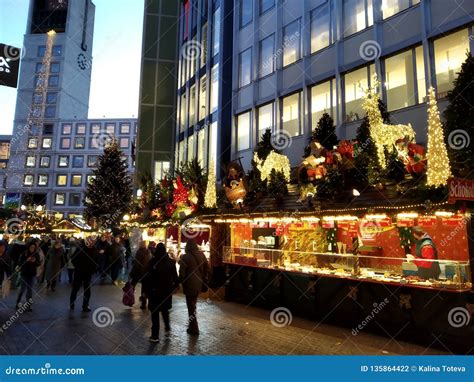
[425,250]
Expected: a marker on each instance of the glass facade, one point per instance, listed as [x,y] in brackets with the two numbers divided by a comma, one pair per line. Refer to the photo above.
[291,115]
[323,100]
[354,84]
[267,56]
[400,80]
[243,131]
[245,67]
[391,7]
[291,43]
[357,15]
[265,119]
[321,27]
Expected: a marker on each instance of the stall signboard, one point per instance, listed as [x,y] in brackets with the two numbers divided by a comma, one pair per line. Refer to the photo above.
[406,222]
[427,221]
[9,65]
[460,189]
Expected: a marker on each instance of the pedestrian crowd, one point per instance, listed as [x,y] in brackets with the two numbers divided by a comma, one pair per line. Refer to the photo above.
[25,262]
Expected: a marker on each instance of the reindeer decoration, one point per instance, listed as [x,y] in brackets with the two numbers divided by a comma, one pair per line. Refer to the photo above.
[383,135]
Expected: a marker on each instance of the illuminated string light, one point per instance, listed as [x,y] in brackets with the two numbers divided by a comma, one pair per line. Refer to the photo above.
[210,199]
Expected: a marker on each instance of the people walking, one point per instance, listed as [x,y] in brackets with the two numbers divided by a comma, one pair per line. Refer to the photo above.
[139,267]
[103,248]
[85,265]
[54,264]
[15,250]
[73,247]
[160,281]
[5,262]
[193,273]
[117,252]
[28,263]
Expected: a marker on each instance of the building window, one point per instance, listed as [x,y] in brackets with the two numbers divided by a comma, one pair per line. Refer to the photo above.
[80,143]
[95,128]
[450,53]
[39,67]
[48,129]
[321,27]
[46,143]
[57,50]
[203,45]
[77,161]
[74,199]
[203,98]
[265,119]
[267,56]
[214,88]
[110,128]
[190,147]
[59,199]
[32,143]
[192,106]
[400,81]
[54,67]
[265,5]
[61,180]
[124,128]
[45,161]
[323,100]
[67,129]
[243,131]
[291,114]
[246,12]
[63,161]
[50,111]
[160,170]
[92,161]
[28,180]
[65,143]
[41,51]
[183,109]
[358,15]
[76,180]
[81,128]
[354,84]
[420,74]
[42,180]
[51,98]
[291,43]
[124,142]
[201,147]
[53,81]
[216,31]
[30,161]
[245,67]
[391,7]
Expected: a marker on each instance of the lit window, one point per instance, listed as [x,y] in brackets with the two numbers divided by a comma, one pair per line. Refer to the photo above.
[354,84]
[95,128]
[74,199]
[216,29]
[267,56]
[46,143]
[246,12]
[32,143]
[110,128]
[92,161]
[201,147]
[265,119]
[67,129]
[76,180]
[321,27]
[124,128]
[450,53]
[203,45]
[65,143]
[358,15]
[191,147]
[59,199]
[124,143]
[81,128]
[63,161]
[192,106]
[202,98]
[291,43]
[77,161]
[399,81]
[45,161]
[322,101]
[391,7]
[214,88]
[243,131]
[291,114]
[160,170]
[28,180]
[420,74]
[42,180]
[61,180]
[245,67]
[30,161]
[80,143]
[265,5]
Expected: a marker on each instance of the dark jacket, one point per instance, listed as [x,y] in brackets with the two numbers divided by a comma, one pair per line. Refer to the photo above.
[140,264]
[54,262]
[160,281]
[28,264]
[116,251]
[85,261]
[193,272]
[5,264]
[15,251]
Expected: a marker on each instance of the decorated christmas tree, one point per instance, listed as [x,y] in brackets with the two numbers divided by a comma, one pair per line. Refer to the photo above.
[210,199]
[438,170]
[459,116]
[108,195]
[325,132]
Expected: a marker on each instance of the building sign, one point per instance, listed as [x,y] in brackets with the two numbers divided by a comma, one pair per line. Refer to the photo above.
[9,65]
[460,189]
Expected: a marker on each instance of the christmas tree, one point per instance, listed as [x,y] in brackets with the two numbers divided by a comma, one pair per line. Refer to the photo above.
[438,170]
[109,193]
[325,132]
[459,116]
[210,199]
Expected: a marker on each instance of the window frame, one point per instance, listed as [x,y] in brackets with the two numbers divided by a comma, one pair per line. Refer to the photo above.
[58,176]
[260,56]
[39,180]
[245,51]
[67,161]
[300,122]
[284,46]
[44,157]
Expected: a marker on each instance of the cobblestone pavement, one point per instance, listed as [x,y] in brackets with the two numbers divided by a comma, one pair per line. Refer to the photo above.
[226,328]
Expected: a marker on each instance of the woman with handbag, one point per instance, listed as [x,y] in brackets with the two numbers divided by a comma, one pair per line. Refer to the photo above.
[193,274]
[160,282]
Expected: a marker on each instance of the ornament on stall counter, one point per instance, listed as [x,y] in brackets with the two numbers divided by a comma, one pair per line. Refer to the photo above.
[405,301]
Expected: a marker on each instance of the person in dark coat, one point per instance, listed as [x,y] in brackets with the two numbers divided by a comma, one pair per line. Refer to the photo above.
[85,265]
[116,258]
[5,262]
[54,264]
[15,250]
[160,281]
[103,248]
[139,267]
[193,273]
[29,261]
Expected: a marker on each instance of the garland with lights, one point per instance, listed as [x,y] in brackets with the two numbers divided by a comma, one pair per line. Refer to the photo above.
[210,198]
